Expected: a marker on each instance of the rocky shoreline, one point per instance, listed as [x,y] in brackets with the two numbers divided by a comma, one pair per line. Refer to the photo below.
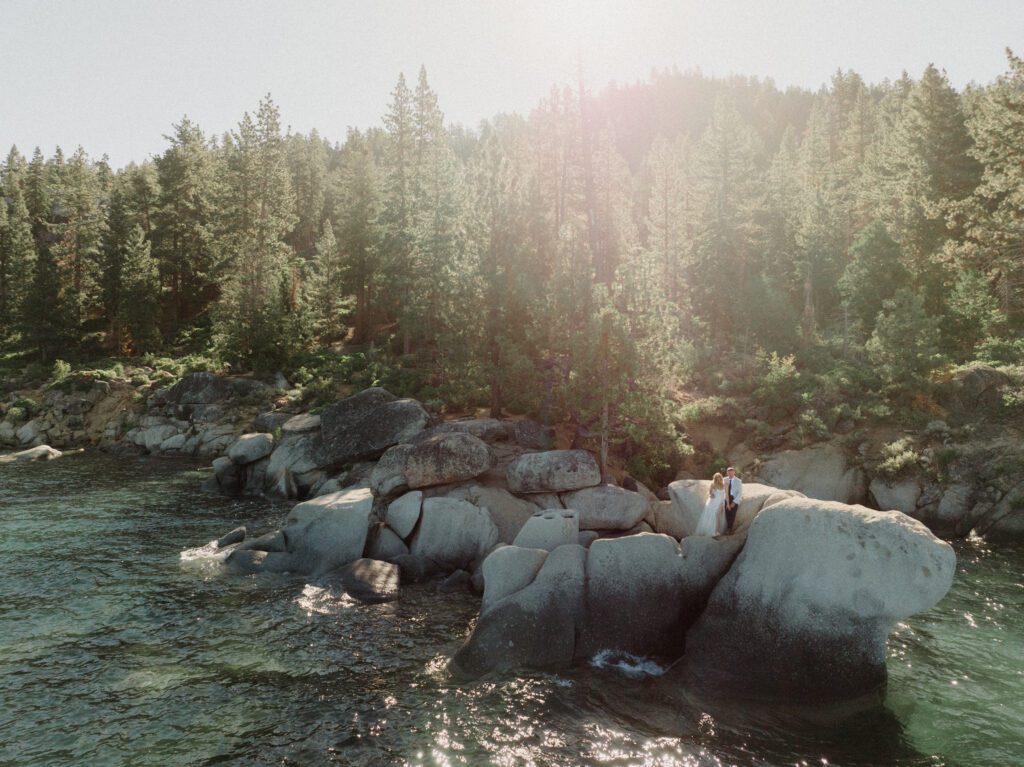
[797,604]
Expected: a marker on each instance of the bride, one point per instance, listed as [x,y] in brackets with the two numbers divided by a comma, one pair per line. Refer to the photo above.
[712,521]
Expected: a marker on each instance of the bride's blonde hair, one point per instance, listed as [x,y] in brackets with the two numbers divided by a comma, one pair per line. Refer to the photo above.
[717,483]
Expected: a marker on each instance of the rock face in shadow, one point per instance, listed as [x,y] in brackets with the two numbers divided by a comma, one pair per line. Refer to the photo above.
[366,424]
[804,612]
[535,626]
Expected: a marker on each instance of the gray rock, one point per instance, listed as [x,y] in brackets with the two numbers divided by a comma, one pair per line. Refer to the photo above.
[272,541]
[386,545]
[532,435]
[208,389]
[805,611]
[173,444]
[365,425]
[587,537]
[900,496]
[294,454]
[304,423]
[821,471]
[416,569]
[457,581]
[446,458]
[246,561]
[508,513]
[255,478]
[487,429]
[508,569]
[545,501]
[328,532]
[553,471]
[371,581]
[388,476]
[404,513]
[228,475]
[535,626]
[453,533]
[607,507]
[154,436]
[250,448]
[550,529]
[234,536]
[30,432]
[267,422]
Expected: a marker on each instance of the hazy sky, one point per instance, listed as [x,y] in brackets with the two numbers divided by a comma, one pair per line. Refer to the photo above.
[114,75]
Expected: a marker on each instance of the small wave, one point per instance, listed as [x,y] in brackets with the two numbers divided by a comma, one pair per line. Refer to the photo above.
[625,663]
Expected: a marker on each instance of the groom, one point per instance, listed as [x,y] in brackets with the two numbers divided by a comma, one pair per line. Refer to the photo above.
[733,496]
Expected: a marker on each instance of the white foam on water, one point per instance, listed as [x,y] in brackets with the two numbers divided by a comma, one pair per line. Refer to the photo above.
[627,664]
[202,555]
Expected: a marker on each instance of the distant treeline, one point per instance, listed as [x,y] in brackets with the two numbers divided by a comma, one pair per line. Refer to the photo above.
[585,255]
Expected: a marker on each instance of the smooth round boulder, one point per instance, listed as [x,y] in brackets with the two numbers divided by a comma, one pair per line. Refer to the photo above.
[453,533]
[363,426]
[329,531]
[446,458]
[371,581]
[509,569]
[804,612]
[819,471]
[607,507]
[234,536]
[404,513]
[554,471]
[549,529]
[250,448]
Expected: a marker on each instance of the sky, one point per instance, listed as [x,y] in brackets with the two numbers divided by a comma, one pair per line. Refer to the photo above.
[115,75]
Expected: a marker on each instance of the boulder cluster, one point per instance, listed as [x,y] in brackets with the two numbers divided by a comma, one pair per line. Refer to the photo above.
[797,602]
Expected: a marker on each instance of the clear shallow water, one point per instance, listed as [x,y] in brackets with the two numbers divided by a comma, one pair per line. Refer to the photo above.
[115,652]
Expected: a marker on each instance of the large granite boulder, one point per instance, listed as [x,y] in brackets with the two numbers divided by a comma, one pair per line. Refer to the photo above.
[250,448]
[293,457]
[404,512]
[533,626]
[508,512]
[209,389]
[607,507]
[899,495]
[487,429]
[446,458]
[643,591]
[549,529]
[329,531]
[453,533]
[554,471]
[388,475]
[366,424]
[821,471]
[805,610]
[976,388]
[509,569]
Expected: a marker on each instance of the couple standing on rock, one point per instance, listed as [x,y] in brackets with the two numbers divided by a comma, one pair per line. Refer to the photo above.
[724,498]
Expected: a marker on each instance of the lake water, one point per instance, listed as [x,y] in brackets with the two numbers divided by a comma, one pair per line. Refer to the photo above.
[114,651]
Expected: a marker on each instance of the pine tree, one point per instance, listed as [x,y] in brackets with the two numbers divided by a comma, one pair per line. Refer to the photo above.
[183,224]
[17,249]
[873,276]
[141,304]
[904,346]
[255,317]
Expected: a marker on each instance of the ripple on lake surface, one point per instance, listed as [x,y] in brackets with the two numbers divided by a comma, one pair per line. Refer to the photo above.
[123,642]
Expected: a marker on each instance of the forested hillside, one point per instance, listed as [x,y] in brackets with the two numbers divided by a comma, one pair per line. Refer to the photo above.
[622,260]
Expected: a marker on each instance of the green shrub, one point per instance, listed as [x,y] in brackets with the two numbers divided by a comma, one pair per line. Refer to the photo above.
[898,458]
[61,370]
[811,428]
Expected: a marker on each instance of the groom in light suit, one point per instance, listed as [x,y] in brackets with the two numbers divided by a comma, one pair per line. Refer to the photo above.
[733,496]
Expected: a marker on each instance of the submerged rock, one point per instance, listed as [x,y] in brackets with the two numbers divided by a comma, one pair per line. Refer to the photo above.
[38,453]
[234,536]
[371,581]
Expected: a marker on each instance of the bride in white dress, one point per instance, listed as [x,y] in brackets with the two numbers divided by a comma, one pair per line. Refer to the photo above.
[712,519]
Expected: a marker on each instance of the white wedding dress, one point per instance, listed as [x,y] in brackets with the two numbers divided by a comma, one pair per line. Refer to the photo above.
[708,523]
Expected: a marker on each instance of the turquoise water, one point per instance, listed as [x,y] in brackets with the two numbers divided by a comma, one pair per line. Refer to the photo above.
[114,651]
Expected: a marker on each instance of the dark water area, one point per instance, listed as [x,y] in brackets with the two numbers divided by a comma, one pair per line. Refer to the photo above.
[116,650]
